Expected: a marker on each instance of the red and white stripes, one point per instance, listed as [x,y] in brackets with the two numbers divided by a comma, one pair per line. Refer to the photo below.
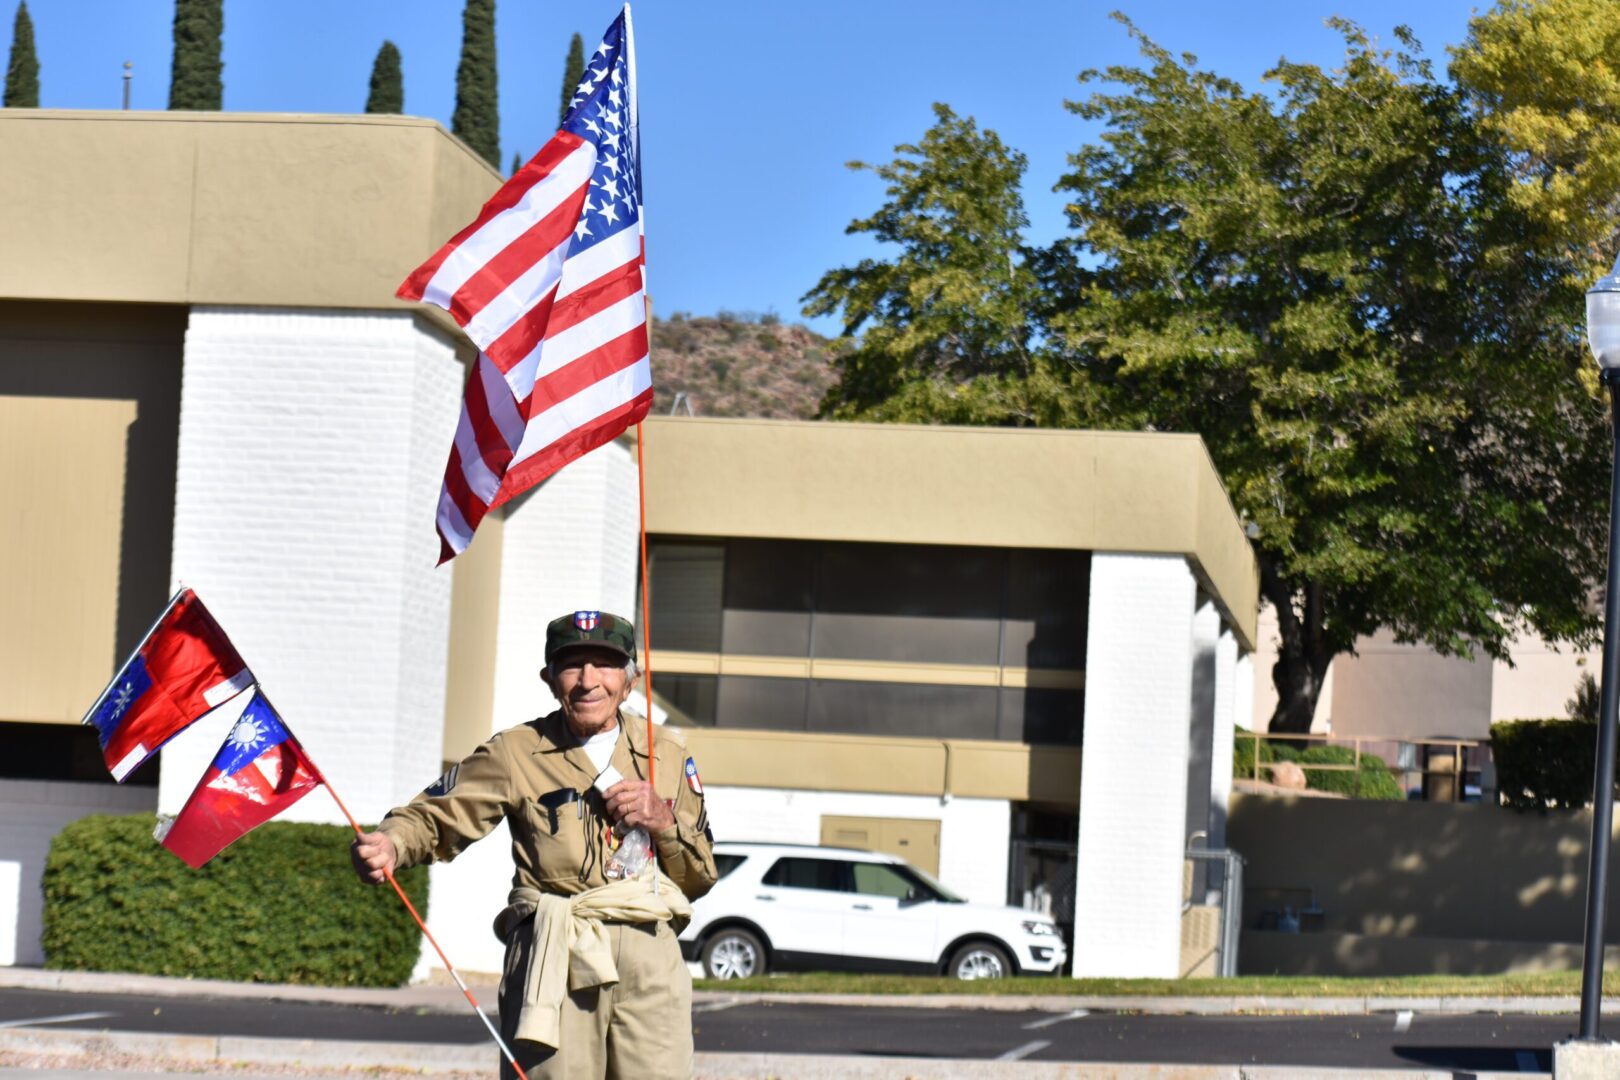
[563,363]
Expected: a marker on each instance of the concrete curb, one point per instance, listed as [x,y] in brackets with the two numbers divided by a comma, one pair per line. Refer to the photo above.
[448,999]
[479,1058]
[205,1049]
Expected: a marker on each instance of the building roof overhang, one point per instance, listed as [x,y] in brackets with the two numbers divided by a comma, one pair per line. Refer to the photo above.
[261,209]
[996,487]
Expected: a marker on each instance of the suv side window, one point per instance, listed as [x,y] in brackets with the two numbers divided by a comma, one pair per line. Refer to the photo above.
[793,872]
[725,864]
[880,879]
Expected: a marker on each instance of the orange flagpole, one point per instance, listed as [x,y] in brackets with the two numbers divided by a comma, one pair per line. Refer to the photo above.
[646,606]
[506,1051]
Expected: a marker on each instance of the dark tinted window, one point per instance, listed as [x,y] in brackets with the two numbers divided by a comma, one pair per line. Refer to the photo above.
[761,703]
[880,879]
[1047,593]
[909,603]
[830,875]
[693,696]
[1040,715]
[686,588]
[725,864]
[768,591]
[875,708]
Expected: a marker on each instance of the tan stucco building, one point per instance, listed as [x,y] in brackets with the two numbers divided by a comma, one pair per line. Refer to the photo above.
[1005,654]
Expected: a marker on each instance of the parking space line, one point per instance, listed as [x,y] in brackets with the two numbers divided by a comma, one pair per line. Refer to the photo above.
[1019,1053]
[65,1018]
[1403,1020]
[714,1006]
[1036,1025]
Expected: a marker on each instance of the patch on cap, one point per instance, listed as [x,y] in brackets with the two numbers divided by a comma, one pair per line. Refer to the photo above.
[587,620]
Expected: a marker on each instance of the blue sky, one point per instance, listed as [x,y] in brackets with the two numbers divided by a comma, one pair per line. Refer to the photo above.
[749,110]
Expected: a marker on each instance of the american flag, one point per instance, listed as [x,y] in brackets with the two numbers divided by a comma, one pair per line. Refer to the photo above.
[548,282]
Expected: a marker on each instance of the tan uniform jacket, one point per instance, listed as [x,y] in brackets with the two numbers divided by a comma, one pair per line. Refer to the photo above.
[538,778]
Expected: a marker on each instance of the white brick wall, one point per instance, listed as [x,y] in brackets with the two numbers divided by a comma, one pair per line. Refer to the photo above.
[571,544]
[31,813]
[973,833]
[312,446]
[1220,769]
[1133,781]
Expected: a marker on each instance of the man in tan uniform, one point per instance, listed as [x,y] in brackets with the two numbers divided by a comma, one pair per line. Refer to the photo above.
[594,984]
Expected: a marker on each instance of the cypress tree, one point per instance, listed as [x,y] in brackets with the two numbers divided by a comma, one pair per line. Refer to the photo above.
[477,118]
[573,71]
[387,82]
[22,73]
[517,162]
[196,80]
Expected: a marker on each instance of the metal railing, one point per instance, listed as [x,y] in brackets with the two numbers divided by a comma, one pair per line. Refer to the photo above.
[1446,783]
[1225,879]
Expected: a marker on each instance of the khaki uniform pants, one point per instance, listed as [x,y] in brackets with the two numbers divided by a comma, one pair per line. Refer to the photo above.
[640,1029]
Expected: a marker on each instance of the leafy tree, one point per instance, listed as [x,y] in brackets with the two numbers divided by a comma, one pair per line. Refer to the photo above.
[22,71]
[477,116]
[387,82]
[947,321]
[1332,286]
[573,71]
[1543,77]
[196,78]
[1587,702]
[1337,292]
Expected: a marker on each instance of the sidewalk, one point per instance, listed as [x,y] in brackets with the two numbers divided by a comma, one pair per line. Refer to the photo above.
[448,999]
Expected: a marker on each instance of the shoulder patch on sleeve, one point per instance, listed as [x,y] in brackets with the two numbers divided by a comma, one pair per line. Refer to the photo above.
[444,784]
[692,779]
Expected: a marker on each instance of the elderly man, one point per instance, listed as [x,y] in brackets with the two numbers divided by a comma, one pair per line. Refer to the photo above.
[594,983]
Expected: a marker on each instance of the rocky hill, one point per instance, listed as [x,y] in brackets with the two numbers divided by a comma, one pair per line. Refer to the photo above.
[739,364]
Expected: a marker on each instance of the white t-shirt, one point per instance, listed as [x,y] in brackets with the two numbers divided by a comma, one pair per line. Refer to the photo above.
[599,748]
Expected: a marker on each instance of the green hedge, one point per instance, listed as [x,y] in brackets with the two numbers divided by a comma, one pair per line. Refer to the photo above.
[1374,781]
[1544,764]
[279,905]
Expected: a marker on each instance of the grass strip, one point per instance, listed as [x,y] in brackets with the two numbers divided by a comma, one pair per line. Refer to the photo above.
[1539,984]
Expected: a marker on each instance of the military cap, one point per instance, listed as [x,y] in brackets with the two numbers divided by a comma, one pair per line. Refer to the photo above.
[597,628]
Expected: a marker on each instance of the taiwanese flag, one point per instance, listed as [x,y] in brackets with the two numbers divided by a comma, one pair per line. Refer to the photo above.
[259,772]
[184,667]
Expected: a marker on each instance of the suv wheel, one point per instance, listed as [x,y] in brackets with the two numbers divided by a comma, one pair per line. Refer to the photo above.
[733,953]
[979,960]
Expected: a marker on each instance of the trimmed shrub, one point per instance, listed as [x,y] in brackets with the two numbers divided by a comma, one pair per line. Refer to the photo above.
[1372,781]
[1544,764]
[279,905]
[1243,756]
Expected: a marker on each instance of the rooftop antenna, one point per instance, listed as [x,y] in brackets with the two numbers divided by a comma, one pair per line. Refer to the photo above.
[129,74]
[681,401]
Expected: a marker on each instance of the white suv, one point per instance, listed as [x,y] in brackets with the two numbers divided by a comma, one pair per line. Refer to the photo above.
[790,906]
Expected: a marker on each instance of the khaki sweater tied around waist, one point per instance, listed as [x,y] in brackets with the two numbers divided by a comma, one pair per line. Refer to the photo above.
[570,945]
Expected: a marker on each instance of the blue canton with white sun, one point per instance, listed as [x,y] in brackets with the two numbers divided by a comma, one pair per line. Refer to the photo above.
[603,112]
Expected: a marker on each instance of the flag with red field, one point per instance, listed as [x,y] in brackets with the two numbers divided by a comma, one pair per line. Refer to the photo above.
[548,282]
[183,668]
[259,772]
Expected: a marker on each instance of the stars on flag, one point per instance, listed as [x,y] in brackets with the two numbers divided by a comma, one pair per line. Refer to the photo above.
[601,113]
[121,699]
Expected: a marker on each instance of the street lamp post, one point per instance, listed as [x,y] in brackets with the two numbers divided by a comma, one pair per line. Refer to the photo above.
[1603,334]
